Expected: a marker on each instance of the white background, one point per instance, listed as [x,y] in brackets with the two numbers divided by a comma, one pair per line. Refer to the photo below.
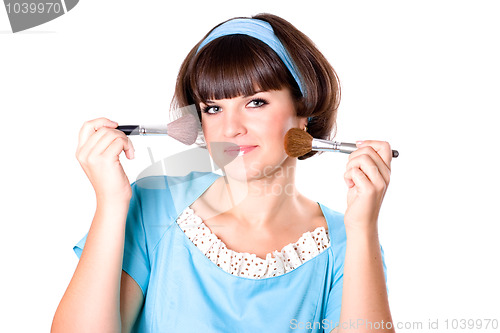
[424,76]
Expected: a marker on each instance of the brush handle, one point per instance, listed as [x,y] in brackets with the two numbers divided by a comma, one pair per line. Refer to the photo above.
[129,129]
[343,147]
[143,130]
[350,147]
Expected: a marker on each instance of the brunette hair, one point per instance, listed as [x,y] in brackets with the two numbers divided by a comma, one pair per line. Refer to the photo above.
[235,65]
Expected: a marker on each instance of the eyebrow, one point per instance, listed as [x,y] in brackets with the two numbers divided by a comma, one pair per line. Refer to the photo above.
[254,93]
[244,96]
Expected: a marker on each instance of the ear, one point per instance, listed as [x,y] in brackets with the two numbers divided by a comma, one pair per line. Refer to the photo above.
[302,122]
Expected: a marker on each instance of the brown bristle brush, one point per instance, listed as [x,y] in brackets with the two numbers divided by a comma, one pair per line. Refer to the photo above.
[298,142]
[184,129]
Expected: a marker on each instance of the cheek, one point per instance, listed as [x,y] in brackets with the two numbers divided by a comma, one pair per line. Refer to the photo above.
[275,129]
[206,127]
[207,131]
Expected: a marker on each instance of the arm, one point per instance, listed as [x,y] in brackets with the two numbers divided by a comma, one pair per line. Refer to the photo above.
[96,300]
[364,293]
[131,300]
[92,300]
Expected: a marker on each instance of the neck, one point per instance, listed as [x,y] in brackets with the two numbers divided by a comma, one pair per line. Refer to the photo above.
[263,202]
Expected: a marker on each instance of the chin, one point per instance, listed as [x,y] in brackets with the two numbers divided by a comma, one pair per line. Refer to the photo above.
[243,171]
[247,170]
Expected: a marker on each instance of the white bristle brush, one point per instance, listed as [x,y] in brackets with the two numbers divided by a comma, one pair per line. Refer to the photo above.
[184,129]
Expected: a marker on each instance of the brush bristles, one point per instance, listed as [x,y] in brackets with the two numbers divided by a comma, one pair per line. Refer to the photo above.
[297,142]
[184,129]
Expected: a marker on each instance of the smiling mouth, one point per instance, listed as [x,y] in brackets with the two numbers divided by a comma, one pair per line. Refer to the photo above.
[239,150]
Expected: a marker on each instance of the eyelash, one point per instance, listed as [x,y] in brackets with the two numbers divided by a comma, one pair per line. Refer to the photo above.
[260,100]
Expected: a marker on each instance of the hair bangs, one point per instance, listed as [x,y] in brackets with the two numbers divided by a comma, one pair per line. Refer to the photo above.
[237,65]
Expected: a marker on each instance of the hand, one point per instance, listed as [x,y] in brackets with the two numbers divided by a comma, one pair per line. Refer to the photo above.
[367,175]
[99,147]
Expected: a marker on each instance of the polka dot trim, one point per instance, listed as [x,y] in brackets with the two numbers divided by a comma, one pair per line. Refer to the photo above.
[309,245]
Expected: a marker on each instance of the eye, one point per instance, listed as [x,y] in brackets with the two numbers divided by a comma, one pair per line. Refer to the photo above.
[211,109]
[257,102]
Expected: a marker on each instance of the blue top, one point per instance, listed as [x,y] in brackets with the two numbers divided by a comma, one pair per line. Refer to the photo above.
[186,292]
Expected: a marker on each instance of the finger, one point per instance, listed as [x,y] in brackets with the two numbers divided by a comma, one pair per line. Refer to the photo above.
[109,136]
[382,148]
[359,179]
[118,145]
[112,136]
[348,179]
[91,126]
[97,142]
[365,163]
[130,152]
[369,157]
[100,141]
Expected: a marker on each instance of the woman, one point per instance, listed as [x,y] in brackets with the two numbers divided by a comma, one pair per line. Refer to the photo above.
[245,252]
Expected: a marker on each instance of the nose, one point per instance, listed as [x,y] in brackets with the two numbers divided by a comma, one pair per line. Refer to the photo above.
[233,123]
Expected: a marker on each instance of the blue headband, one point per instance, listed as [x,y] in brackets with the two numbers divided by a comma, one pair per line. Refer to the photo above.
[261,30]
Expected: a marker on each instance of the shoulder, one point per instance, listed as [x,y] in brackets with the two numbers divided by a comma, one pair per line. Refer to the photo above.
[173,185]
[336,231]
[157,201]
[334,219]
[164,182]
[171,192]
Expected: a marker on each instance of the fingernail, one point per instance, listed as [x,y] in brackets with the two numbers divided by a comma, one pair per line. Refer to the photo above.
[359,143]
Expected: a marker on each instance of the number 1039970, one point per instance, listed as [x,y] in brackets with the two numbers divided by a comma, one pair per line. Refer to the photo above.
[32,8]
[471,324]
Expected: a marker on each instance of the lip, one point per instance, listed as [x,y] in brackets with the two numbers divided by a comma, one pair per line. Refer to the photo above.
[239,150]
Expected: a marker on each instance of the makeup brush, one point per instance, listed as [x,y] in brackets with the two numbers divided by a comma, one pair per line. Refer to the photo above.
[299,142]
[184,129]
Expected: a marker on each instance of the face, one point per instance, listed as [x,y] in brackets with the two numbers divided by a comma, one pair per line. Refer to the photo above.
[248,132]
